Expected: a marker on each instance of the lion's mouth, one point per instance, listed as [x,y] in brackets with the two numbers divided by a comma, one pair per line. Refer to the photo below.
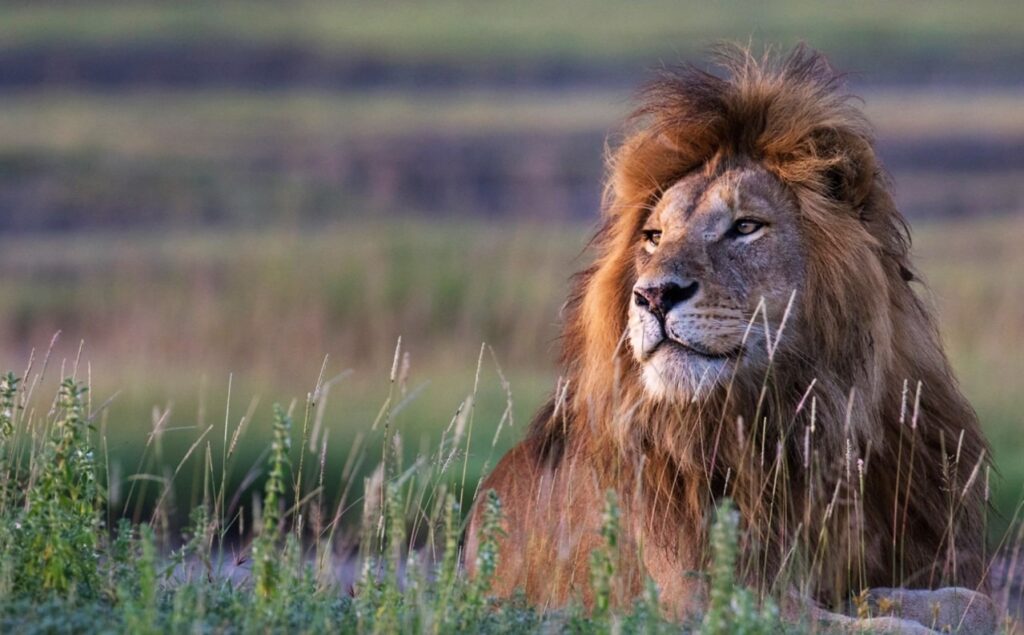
[699,351]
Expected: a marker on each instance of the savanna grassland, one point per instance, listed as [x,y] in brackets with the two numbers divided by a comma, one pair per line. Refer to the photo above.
[168,437]
[209,209]
[166,317]
[167,320]
[606,32]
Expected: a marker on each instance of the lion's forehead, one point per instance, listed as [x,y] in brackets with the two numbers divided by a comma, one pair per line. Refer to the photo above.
[719,195]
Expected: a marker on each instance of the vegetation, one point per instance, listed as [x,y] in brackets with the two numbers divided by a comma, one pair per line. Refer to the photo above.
[229,157]
[122,114]
[205,245]
[177,326]
[454,29]
[66,566]
[64,569]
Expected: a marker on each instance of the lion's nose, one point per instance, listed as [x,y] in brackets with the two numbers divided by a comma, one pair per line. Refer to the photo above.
[659,299]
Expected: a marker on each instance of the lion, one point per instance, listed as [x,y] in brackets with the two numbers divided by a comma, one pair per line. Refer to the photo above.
[751,328]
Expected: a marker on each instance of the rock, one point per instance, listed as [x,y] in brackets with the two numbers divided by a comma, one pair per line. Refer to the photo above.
[889,625]
[838,623]
[910,611]
[952,609]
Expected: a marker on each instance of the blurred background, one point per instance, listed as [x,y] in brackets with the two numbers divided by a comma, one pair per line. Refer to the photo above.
[206,193]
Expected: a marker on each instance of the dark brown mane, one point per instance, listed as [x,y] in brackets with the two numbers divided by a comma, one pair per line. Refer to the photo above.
[859,442]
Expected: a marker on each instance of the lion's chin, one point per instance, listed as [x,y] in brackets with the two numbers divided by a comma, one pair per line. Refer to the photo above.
[675,374]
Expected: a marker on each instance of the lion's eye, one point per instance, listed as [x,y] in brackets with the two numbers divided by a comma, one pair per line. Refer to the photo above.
[746,226]
[652,236]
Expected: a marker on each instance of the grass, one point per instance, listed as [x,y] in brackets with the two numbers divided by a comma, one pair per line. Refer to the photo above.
[218,123]
[580,30]
[147,502]
[65,567]
[368,277]
[279,556]
[969,289]
[188,452]
[229,157]
[169,322]
[163,498]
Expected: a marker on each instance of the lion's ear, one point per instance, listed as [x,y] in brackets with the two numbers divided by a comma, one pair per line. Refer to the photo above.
[848,180]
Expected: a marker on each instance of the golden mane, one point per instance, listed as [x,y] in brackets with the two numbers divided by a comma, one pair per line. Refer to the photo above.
[854,462]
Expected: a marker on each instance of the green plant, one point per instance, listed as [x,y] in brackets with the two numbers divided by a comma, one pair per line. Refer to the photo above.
[733,608]
[8,407]
[266,565]
[57,536]
[603,559]
[140,604]
[408,555]
[487,555]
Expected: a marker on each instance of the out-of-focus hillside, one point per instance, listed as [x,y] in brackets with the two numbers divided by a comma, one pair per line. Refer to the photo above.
[167,320]
[145,158]
[198,190]
[445,42]
[124,114]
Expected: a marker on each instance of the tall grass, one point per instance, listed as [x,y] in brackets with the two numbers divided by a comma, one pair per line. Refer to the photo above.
[344,509]
[167,320]
[68,566]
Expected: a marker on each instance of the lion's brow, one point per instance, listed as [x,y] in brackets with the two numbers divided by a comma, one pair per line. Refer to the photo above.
[698,197]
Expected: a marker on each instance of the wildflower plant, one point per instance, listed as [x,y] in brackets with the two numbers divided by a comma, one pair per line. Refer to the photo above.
[58,533]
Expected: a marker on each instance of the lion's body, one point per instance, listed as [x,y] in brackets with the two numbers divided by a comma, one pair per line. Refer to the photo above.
[852,457]
[552,517]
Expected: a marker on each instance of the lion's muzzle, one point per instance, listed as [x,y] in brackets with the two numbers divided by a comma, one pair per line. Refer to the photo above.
[684,333]
[661,298]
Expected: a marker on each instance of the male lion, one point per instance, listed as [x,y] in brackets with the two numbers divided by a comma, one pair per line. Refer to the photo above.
[749,329]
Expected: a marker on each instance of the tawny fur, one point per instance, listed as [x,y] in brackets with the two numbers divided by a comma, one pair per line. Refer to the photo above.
[884,490]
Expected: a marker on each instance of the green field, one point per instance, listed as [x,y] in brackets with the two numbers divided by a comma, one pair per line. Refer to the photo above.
[467,31]
[214,123]
[145,157]
[167,320]
[189,339]
[208,208]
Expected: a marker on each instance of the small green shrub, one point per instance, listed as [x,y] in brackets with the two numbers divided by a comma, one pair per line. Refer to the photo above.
[57,532]
[266,564]
[602,561]
[732,607]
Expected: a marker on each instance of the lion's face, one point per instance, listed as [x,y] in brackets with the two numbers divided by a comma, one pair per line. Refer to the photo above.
[712,250]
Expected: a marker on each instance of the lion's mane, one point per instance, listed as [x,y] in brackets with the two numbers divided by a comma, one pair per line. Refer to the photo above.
[856,459]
